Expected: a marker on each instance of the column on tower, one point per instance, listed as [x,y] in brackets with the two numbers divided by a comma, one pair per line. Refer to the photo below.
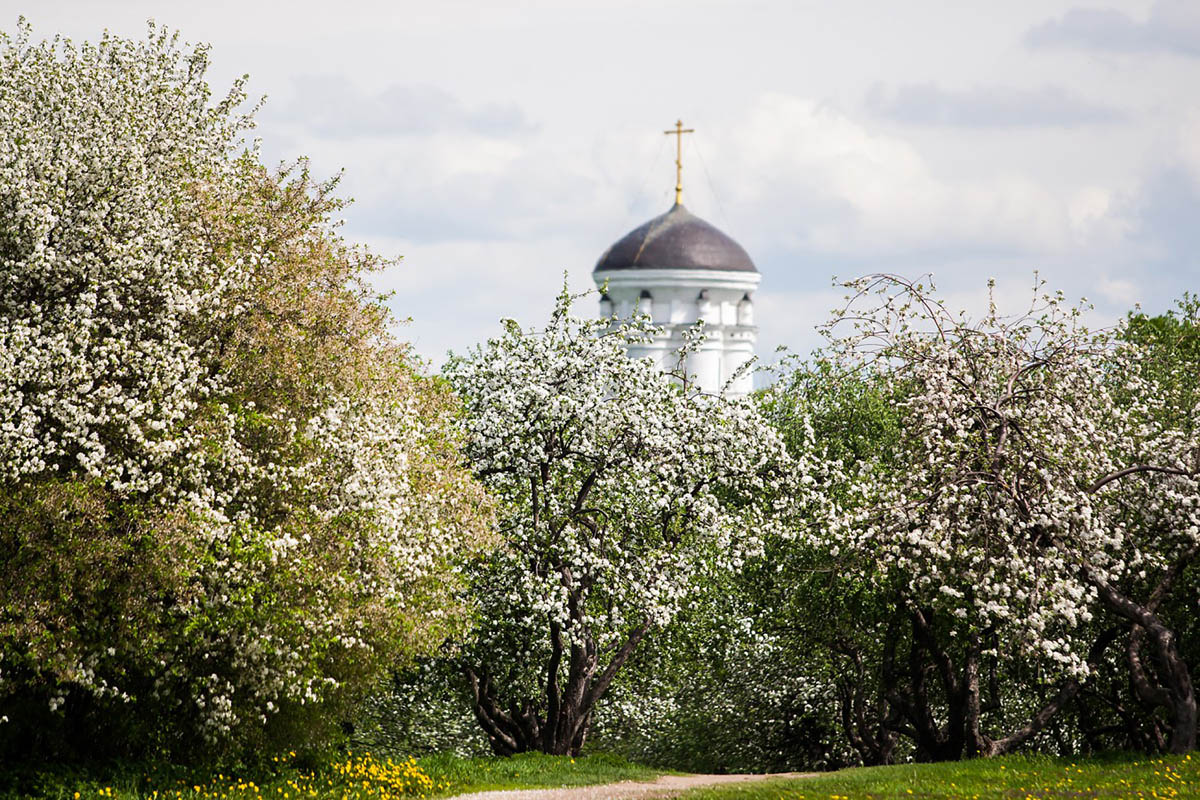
[704,365]
[644,301]
[740,338]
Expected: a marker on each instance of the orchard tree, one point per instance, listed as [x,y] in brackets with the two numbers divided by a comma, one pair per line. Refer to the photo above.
[619,493]
[1146,574]
[229,497]
[840,628]
[1037,480]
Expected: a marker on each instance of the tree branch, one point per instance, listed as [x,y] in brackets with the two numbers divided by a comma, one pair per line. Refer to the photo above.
[1121,473]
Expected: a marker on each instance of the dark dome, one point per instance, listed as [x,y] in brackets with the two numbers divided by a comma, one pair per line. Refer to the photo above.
[676,240]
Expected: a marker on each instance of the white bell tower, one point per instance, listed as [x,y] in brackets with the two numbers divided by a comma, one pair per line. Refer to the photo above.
[679,269]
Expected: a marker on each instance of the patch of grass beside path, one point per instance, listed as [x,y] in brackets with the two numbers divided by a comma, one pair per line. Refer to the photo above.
[353,776]
[1009,778]
[531,771]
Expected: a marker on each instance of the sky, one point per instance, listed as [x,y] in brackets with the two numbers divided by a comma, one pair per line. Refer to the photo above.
[498,146]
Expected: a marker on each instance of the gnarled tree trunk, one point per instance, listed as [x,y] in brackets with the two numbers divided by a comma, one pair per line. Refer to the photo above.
[558,722]
[915,712]
[1169,684]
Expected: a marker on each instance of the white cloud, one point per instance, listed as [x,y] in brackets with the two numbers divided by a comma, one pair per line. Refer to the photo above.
[988,106]
[495,145]
[1185,145]
[1089,208]
[1171,26]
[496,221]
[825,181]
[1119,291]
[455,293]
[793,319]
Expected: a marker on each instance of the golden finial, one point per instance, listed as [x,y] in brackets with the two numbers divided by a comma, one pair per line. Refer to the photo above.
[678,133]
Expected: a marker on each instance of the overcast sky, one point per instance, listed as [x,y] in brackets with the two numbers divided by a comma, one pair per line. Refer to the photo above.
[495,145]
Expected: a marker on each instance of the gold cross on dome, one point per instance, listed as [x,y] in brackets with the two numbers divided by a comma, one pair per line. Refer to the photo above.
[678,133]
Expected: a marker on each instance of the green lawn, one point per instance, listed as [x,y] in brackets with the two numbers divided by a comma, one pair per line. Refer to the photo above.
[1011,778]
[533,771]
[360,776]
[357,776]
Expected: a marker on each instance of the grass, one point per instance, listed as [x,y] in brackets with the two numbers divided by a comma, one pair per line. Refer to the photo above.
[362,776]
[356,776]
[534,771]
[1010,778]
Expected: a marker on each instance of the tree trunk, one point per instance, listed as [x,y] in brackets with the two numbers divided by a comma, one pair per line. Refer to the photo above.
[942,742]
[1173,689]
[868,733]
[559,723]
[963,733]
[505,736]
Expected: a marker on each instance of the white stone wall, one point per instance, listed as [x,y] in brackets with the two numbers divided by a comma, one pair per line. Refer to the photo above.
[676,304]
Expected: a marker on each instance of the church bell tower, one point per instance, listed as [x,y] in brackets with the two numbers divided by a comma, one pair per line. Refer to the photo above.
[679,270]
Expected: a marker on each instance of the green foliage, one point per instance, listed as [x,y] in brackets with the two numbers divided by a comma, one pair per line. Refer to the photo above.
[920,419]
[1108,714]
[230,501]
[421,710]
[852,413]
[750,677]
[722,691]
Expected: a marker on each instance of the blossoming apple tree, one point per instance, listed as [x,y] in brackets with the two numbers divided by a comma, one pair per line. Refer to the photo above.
[618,490]
[1042,477]
[228,497]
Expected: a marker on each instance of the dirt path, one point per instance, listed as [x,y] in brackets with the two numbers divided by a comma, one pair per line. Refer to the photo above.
[666,786]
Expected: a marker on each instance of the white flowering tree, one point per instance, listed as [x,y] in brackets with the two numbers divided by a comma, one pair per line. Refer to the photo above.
[229,499]
[618,492]
[1039,479]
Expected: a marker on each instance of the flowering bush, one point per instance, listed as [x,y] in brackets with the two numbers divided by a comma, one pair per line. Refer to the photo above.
[229,497]
[618,492]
